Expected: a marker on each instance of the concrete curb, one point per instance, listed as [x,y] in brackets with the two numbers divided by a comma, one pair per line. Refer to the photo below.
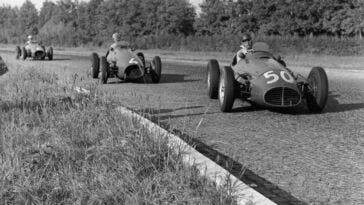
[246,194]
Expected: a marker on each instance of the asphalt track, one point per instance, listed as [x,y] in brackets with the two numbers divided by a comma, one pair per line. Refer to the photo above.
[292,157]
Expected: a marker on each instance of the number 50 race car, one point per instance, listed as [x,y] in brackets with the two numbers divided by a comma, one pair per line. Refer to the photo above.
[123,63]
[264,80]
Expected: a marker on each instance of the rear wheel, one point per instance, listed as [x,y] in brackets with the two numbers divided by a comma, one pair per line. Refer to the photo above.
[95,65]
[319,89]
[104,70]
[23,53]
[156,69]
[226,89]
[213,75]
[17,52]
[50,53]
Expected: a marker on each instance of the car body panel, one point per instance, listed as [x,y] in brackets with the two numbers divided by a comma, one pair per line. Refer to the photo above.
[125,61]
[35,50]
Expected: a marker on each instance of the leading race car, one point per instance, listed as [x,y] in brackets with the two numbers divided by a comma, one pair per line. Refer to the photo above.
[123,63]
[34,50]
[264,80]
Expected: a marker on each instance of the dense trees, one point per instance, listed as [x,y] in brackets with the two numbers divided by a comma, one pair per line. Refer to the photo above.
[71,22]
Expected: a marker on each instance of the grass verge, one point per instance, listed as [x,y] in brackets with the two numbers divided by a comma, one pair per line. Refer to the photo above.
[60,147]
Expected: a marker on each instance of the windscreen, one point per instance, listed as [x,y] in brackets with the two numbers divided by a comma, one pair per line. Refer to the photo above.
[261,50]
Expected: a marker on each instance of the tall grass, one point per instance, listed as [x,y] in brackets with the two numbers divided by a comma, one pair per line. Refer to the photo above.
[61,147]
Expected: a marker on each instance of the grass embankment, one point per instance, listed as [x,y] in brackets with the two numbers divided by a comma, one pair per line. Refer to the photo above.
[58,146]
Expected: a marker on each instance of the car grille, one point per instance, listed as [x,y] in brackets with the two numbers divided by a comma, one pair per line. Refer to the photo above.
[282,96]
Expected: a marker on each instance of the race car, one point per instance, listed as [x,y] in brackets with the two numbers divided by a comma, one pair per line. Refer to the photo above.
[34,50]
[264,80]
[123,63]
[3,67]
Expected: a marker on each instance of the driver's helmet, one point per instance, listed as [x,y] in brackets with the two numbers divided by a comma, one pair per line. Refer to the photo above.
[246,41]
[116,37]
[30,37]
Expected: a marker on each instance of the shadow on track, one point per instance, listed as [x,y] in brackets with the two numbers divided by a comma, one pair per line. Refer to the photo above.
[61,59]
[166,78]
[334,106]
[176,78]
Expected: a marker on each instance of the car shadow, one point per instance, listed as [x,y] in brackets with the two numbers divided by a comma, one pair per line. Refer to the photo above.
[164,114]
[61,59]
[165,78]
[176,78]
[154,111]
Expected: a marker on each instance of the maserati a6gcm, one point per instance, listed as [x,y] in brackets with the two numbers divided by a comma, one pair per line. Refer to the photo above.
[264,80]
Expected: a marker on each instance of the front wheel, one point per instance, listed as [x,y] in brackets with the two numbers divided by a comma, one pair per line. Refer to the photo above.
[213,75]
[17,52]
[50,53]
[104,70]
[226,89]
[156,69]
[319,88]
[95,65]
[23,53]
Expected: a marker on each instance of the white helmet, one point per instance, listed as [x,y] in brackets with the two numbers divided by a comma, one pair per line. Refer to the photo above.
[116,37]
[30,37]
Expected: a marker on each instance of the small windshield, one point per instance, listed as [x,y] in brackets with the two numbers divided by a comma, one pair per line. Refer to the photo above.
[261,47]
[261,50]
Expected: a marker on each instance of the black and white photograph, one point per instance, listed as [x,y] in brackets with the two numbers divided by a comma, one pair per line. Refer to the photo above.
[182,102]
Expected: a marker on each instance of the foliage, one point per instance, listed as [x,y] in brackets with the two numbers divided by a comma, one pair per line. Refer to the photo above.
[77,23]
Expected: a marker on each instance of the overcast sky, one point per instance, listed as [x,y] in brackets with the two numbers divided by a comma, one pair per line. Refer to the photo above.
[38,3]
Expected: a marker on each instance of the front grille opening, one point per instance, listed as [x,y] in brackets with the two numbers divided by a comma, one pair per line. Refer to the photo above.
[282,96]
[133,71]
[39,54]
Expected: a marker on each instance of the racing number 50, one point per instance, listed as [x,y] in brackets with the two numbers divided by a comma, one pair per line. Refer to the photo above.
[284,75]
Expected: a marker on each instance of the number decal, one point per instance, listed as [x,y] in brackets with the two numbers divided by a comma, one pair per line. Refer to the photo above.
[133,61]
[270,74]
[287,77]
[284,75]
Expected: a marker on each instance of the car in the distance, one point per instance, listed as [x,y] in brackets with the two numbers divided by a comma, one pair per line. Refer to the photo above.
[34,50]
[123,63]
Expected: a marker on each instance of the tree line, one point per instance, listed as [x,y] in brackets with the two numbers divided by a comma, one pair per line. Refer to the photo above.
[74,23]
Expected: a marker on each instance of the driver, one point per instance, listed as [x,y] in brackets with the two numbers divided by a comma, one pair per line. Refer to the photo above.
[118,42]
[30,39]
[246,47]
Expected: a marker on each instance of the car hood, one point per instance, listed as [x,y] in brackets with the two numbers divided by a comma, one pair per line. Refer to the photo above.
[123,57]
[34,47]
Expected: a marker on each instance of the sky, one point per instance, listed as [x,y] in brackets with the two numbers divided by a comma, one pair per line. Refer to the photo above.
[38,3]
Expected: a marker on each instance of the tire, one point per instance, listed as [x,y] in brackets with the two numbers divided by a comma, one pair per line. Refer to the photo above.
[17,52]
[50,53]
[213,75]
[318,82]
[45,53]
[156,69]
[142,58]
[104,69]
[95,65]
[23,53]
[226,89]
